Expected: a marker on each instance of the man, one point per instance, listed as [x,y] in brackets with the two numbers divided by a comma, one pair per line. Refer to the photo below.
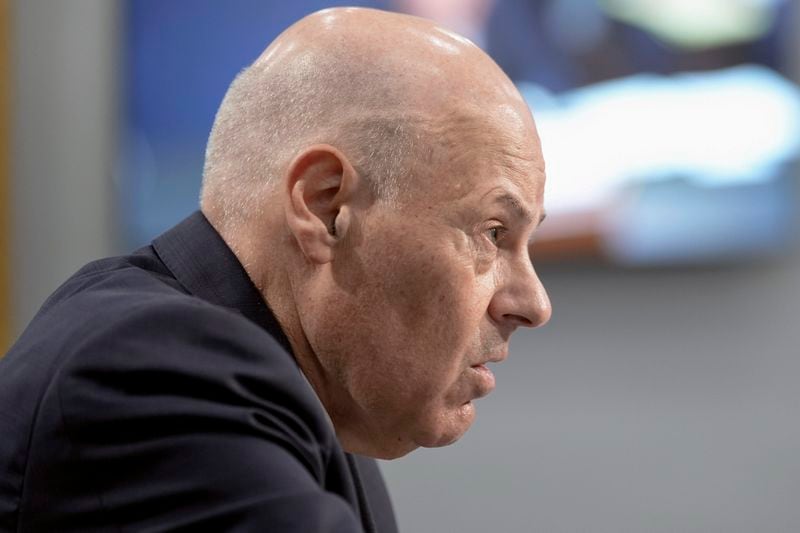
[371,186]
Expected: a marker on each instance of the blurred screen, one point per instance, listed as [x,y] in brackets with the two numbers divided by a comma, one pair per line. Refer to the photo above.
[670,128]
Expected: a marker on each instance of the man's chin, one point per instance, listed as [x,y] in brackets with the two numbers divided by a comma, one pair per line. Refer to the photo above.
[439,430]
[450,427]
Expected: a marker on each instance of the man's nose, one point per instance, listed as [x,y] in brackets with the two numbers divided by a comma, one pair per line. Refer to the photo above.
[521,299]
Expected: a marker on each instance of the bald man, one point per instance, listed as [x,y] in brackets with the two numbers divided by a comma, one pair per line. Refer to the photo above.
[372,183]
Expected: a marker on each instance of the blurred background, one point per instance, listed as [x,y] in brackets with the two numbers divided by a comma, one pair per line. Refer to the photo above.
[664,394]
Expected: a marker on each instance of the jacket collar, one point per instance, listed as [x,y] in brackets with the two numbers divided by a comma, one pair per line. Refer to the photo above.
[206,267]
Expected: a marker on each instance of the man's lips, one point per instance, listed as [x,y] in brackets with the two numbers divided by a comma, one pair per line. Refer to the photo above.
[484,378]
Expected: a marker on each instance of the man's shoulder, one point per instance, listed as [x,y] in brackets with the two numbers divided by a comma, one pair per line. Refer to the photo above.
[122,323]
[112,298]
[128,314]
[134,276]
[122,361]
[165,327]
[177,348]
[125,311]
[147,388]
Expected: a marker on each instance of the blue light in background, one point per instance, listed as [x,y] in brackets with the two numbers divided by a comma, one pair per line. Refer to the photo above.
[684,168]
[679,168]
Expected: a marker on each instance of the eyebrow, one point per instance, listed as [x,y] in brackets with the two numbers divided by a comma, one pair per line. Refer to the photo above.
[513,203]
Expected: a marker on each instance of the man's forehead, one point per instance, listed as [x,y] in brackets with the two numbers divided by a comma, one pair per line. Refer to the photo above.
[475,150]
[515,205]
[502,177]
[524,204]
[483,159]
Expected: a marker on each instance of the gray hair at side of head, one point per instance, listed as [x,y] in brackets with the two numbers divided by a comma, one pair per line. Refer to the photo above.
[270,114]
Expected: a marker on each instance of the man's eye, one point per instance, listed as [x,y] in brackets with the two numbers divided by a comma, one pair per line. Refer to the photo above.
[496,233]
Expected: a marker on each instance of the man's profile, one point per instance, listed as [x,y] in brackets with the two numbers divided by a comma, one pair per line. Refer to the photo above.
[371,185]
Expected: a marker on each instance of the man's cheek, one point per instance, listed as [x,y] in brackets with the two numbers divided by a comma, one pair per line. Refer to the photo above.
[417,292]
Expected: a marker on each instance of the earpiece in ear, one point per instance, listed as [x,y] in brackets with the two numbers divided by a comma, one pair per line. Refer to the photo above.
[332,229]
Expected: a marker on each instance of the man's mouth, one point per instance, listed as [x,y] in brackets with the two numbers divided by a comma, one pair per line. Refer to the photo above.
[484,378]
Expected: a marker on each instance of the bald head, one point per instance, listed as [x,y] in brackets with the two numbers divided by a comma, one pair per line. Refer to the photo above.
[379,179]
[381,87]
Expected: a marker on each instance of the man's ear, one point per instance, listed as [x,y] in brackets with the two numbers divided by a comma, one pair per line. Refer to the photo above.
[320,185]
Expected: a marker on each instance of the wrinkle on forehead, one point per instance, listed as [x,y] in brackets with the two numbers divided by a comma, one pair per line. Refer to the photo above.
[502,137]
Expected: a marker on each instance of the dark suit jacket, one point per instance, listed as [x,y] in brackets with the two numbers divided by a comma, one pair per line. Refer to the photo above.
[157,392]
